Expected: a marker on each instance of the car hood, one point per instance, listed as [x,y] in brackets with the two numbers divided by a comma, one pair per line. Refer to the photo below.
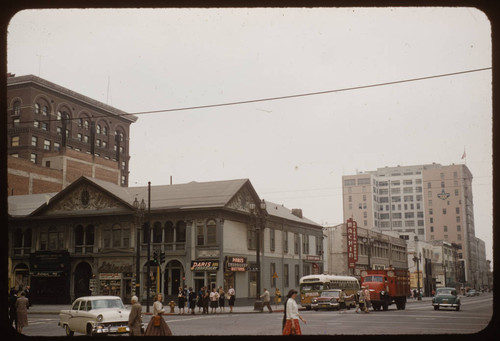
[324,299]
[112,315]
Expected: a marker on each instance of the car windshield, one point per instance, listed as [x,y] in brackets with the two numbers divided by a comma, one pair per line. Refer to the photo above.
[107,303]
[444,291]
[373,279]
[330,294]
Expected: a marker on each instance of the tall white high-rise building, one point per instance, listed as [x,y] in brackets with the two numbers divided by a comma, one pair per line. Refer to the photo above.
[432,201]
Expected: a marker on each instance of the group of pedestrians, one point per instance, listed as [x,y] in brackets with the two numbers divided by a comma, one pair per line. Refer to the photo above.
[216,298]
[18,308]
[364,301]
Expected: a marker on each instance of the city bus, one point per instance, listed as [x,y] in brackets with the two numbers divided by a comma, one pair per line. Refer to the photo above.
[311,286]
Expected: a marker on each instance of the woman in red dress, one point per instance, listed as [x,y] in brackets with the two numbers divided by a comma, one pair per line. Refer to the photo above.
[291,318]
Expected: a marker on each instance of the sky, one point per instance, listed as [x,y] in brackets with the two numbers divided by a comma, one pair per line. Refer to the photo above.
[295,149]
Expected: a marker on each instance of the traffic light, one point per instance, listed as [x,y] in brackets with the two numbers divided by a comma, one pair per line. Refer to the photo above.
[155,258]
[162,257]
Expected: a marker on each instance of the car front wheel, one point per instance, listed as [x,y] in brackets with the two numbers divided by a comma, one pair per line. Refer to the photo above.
[69,332]
[436,307]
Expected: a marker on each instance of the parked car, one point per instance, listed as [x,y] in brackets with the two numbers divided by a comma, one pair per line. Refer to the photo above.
[95,315]
[330,299]
[446,298]
[472,292]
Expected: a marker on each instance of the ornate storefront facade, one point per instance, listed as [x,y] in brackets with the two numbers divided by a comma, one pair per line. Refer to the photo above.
[87,240]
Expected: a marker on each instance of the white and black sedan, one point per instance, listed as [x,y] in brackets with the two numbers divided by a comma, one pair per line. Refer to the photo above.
[95,315]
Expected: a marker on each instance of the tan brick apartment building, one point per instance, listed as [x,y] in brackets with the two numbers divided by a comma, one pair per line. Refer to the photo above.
[428,202]
[95,141]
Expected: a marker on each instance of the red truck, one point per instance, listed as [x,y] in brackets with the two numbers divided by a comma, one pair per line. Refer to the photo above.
[386,287]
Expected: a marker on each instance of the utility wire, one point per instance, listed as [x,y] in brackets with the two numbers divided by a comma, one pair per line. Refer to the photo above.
[280,97]
[312,93]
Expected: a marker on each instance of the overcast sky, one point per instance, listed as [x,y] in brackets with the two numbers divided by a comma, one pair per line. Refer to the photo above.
[294,150]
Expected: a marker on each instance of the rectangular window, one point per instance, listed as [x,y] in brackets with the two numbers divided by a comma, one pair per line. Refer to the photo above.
[200,235]
[297,275]
[296,243]
[34,141]
[46,145]
[272,233]
[285,276]
[285,241]
[211,234]
[33,157]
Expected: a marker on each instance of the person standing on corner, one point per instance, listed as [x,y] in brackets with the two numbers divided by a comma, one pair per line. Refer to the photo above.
[157,326]
[292,325]
[22,306]
[266,300]
[135,317]
[232,297]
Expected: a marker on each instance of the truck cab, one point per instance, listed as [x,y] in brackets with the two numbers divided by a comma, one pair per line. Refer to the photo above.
[386,287]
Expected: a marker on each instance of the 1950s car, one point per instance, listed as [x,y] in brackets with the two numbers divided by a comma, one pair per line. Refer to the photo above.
[333,299]
[95,315]
[446,298]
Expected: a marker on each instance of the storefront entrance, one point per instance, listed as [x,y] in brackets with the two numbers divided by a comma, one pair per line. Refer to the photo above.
[174,277]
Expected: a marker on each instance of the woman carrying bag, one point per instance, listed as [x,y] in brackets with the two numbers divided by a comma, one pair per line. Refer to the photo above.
[157,326]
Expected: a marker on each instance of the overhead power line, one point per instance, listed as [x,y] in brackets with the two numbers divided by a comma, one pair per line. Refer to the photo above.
[281,97]
[312,93]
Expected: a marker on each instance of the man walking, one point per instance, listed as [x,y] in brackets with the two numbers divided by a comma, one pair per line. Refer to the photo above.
[267,300]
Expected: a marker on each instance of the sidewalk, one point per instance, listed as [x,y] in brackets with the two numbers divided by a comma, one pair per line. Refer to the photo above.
[242,306]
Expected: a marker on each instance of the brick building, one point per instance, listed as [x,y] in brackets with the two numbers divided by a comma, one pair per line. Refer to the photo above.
[56,128]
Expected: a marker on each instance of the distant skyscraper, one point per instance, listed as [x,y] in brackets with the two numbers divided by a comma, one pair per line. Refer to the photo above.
[433,201]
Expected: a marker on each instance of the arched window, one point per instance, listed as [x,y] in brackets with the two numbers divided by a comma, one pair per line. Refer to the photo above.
[79,235]
[211,232]
[181,232]
[89,235]
[157,232]
[169,232]
[27,238]
[16,108]
[18,238]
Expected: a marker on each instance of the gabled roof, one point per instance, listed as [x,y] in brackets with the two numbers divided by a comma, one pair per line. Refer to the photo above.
[192,195]
[281,211]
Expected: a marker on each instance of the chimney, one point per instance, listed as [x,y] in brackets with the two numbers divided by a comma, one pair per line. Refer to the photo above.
[297,212]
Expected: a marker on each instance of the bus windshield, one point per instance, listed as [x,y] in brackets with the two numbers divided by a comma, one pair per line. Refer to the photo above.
[312,286]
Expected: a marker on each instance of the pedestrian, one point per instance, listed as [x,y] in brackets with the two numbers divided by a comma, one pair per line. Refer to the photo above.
[157,326]
[12,307]
[214,300]
[361,300]
[291,316]
[181,300]
[232,297]
[28,294]
[192,300]
[22,306]
[277,297]
[135,317]
[266,300]
[368,302]
[342,304]
[201,295]
[206,300]
[414,294]
[222,298]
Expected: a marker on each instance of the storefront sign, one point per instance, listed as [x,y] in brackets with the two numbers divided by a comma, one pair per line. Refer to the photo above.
[352,243]
[109,276]
[236,264]
[204,265]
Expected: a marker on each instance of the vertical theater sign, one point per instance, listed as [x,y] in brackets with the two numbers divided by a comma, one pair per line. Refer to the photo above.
[352,243]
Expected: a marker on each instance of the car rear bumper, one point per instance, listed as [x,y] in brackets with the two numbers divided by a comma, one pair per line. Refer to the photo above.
[326,305]
[446,305]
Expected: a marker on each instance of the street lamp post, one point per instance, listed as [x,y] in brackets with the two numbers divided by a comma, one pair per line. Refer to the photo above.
[259,216]
[368,244]
[418,260]
[139,214]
